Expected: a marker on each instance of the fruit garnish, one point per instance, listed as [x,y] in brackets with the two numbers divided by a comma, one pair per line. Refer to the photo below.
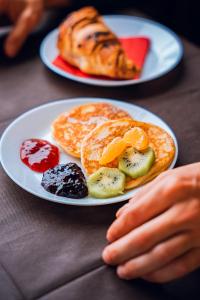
[106,182]
[113,150]
[137,138]
[134,163]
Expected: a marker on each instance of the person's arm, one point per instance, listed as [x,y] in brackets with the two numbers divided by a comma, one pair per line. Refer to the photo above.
[25,14]
[156,235]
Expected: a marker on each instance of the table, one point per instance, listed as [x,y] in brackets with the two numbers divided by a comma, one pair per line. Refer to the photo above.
[50,251]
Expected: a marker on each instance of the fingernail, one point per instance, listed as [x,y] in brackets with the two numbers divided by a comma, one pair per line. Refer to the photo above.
[121,210]
[118,213]
[120,272]
[105,255]
[108,236]
[10,52]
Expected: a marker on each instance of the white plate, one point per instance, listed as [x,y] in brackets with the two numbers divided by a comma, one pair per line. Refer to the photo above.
[165,52]
[5,30]
[36,124]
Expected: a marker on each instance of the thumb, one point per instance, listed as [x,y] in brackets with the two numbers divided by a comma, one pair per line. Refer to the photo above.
[25,24]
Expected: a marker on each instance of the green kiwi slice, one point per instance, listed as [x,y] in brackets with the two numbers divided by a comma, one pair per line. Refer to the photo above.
[134,163]
[106,182]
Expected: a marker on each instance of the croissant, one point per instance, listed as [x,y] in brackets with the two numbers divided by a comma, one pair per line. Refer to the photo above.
[86,42]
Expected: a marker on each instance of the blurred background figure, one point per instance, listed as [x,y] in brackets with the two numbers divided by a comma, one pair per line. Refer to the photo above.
[26,15]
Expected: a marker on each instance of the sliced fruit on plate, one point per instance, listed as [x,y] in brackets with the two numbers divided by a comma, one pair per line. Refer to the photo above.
[113,150]
[98,139]
[134,163]
[106,182]
[137,138]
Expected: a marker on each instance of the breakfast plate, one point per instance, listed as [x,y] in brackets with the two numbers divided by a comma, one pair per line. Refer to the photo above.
[36,123]
[165,52]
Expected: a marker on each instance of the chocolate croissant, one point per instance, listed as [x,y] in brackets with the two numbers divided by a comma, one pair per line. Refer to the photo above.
[87,43]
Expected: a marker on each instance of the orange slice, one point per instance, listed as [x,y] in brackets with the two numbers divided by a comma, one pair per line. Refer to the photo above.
[112,150]
[137,138]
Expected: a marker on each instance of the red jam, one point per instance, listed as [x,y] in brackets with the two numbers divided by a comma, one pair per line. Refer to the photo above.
[39,155]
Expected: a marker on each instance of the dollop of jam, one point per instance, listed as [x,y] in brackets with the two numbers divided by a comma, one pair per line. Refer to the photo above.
[39,155]
[66,180]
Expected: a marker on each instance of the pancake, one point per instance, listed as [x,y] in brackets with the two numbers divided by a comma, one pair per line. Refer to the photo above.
[94,144]
[70,128]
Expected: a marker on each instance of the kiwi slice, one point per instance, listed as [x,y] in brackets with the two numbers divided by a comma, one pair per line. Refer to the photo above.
[134,163]
[106,182]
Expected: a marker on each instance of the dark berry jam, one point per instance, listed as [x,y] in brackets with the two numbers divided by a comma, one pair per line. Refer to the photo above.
[66,181]
[39,155]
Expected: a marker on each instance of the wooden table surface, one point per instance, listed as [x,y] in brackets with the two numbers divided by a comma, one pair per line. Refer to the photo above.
[50,251]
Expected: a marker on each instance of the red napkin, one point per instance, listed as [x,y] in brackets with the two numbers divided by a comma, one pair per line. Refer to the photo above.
[136,49]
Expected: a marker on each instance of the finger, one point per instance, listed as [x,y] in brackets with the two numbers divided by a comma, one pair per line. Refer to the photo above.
[119,212]
[124,208]
[177,268]
[129,203]
[138,212]
[143,238]
[156,258]
[136,197]
[25,24]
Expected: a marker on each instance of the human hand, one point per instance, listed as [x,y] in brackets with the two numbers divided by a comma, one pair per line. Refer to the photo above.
[156,236]
[25,14]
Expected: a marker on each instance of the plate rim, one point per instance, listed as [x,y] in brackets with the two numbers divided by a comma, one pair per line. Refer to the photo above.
[107,201]
[111,83]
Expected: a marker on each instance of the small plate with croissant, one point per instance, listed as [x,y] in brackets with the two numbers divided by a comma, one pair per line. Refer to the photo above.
[115,50]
